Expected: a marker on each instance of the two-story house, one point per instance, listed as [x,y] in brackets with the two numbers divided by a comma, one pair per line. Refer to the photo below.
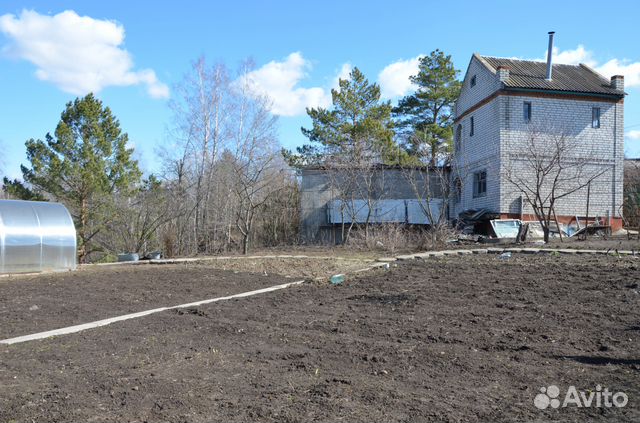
[503,101]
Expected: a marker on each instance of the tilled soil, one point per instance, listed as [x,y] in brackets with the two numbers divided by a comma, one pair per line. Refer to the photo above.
[574,243]
[596,243]
[461,338]
[44,302]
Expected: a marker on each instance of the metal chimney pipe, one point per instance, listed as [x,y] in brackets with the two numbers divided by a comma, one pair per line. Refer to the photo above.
[549,53]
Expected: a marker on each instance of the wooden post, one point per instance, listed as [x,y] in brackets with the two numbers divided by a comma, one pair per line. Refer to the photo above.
[586,223]
[521,207]
[553,209]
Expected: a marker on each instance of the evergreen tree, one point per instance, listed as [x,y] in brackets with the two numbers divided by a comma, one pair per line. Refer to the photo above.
[425,118]
[18,190]
[83,166]
[357,129]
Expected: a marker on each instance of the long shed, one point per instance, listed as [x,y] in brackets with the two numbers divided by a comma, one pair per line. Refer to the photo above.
[36,236]
[331,196]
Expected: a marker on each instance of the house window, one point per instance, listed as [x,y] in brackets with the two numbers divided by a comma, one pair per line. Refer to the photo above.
[458,190]
[471,127]
[595,117]
[458,142]
[526,111]
[480,183]
[473,81]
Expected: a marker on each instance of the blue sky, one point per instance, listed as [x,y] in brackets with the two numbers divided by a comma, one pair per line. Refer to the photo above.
[48,57]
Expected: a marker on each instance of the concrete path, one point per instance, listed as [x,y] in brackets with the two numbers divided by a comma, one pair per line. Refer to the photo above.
[104,322]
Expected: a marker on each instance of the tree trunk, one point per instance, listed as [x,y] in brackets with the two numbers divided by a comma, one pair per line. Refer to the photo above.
[245,244]
[82,232]
[248,226]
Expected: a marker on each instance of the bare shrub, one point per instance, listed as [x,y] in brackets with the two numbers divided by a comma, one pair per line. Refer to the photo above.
[393,238]
[389,238]
[435,237]
[547,166]
[632,193]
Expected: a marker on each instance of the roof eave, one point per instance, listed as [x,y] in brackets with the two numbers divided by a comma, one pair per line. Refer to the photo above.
[377,166]
[577,93]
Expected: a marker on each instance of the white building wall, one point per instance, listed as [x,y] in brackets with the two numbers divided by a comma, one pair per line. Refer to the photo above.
[602,148]
[486,84]
[479,152]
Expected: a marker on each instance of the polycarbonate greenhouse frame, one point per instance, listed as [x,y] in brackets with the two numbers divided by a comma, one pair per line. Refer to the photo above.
[36,236]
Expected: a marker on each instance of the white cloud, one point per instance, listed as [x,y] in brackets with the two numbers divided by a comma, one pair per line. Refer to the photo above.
[572,57]
[279,81]
[78,54]
[630,70]
[343,73]
[633,135]
[394,78]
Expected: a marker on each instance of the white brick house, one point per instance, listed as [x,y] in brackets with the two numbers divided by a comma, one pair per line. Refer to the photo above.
[502,99]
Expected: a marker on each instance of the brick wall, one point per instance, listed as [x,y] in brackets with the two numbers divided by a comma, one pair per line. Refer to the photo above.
[598,149]
[486,84]
[478,152]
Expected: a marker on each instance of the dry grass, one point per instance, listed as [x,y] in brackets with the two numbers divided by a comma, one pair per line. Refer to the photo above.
[394,239]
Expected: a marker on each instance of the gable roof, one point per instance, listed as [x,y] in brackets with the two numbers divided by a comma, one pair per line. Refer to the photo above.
[531,75]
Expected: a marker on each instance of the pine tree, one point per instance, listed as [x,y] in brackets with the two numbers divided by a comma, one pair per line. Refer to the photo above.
[357,129]
[425,118]
[83,166]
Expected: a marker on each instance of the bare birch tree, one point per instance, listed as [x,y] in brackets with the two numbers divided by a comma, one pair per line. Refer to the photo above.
[255,154]
[222,163]
[199,134]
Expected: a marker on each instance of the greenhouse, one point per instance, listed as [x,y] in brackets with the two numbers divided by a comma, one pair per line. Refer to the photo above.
[36,236]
